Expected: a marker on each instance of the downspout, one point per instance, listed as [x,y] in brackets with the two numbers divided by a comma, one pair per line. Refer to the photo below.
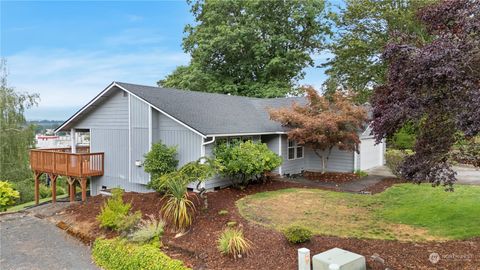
[202,154]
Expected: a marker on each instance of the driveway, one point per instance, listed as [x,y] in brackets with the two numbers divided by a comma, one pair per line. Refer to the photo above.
[28,242]
[467,175]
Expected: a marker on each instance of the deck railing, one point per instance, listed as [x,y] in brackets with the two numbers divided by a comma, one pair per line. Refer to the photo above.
[61,162]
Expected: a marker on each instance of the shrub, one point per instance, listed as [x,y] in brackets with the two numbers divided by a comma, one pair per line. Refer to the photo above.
[46,192]
[404,138]
[161,183]
[297,234]
[394,158]
[232,242]
[26,188]
[178,208]
[361,173]
[115,213]
[118,254]
[149,230]
[160,160]
[242,161]
[7,195]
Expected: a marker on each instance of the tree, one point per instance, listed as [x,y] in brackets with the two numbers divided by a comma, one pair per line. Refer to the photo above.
[255,48]
[244,161]
[435,86]
[364,27]
[16,137]
[323,123]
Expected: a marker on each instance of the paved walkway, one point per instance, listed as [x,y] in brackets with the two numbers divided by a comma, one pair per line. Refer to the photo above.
[467,175]
[29,242]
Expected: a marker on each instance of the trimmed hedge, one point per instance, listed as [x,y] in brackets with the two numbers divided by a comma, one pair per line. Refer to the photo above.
[119,254]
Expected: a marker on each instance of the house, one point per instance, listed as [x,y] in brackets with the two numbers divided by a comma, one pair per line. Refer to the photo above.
[124,120]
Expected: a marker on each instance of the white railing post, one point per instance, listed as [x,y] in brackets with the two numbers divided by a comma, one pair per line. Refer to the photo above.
[304,259]
[73,141]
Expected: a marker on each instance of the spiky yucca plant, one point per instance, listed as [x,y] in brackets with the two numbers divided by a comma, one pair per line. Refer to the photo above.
[178,208]
[232,242]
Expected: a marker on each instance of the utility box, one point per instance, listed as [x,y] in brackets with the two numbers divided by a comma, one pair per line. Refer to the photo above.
[339,258]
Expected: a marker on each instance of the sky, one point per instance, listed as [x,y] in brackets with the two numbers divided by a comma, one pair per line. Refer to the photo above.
[69,51]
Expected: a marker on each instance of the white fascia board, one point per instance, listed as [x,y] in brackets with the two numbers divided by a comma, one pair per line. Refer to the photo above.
[158,109]
[245,134]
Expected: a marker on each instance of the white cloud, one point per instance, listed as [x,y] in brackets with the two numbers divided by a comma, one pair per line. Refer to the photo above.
[134,18]
[69,79]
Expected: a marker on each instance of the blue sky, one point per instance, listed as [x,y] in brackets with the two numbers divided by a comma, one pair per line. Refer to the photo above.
[69,51]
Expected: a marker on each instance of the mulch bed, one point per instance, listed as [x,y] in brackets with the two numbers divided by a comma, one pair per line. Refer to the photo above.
[331,177]
[271,251]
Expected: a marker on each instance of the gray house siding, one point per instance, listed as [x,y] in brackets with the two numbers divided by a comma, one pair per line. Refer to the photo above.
[111,114]
[338,161]
[172,133]
[111,137]
[139,139]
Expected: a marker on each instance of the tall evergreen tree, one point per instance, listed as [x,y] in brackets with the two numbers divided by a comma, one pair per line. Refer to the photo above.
[16,137]
[255,48]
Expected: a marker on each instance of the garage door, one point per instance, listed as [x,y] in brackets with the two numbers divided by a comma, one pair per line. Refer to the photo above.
[371,155]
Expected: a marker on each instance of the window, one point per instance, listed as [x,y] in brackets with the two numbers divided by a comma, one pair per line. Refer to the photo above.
[295,151]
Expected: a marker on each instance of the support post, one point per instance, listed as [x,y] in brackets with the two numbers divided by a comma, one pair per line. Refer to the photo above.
[83,184]
[37,187]
[280,153]
[71,188]
[53,184]
[73,140]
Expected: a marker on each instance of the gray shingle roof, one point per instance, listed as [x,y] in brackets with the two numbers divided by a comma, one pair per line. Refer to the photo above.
[212,114]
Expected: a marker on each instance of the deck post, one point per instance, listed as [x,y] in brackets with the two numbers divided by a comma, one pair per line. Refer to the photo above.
[73,140]
[83,184]
[71,188]
[53,183]
[37,187]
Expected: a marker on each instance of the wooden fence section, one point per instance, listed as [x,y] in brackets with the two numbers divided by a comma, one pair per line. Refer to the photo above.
[60,162]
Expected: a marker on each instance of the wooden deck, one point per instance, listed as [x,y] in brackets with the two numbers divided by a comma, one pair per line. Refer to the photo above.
[61,162]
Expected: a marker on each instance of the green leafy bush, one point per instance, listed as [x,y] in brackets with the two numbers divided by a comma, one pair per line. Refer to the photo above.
[7,195]
[394,158]
[148,231]
[404,138]
[297,234]
[115,213]
[26,188]
[232,242]
[46,192]
[160,160]
[119,254]
[242,161]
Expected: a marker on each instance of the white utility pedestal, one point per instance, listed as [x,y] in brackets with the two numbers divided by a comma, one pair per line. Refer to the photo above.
[340,259]
[304,259]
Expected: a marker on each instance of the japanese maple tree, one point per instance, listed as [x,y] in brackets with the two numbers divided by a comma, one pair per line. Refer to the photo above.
[323,123]
[435,85]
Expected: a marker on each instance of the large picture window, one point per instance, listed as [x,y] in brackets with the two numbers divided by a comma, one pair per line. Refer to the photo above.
[295,151]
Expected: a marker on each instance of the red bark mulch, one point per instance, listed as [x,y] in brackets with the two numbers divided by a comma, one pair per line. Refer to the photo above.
[271,251]
[332,177]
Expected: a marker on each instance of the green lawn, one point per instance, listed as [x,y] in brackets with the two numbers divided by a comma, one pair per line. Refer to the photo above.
[404,212]
[22,206]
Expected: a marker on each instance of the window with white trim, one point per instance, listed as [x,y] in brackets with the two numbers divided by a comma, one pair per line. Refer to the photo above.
[295,151]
